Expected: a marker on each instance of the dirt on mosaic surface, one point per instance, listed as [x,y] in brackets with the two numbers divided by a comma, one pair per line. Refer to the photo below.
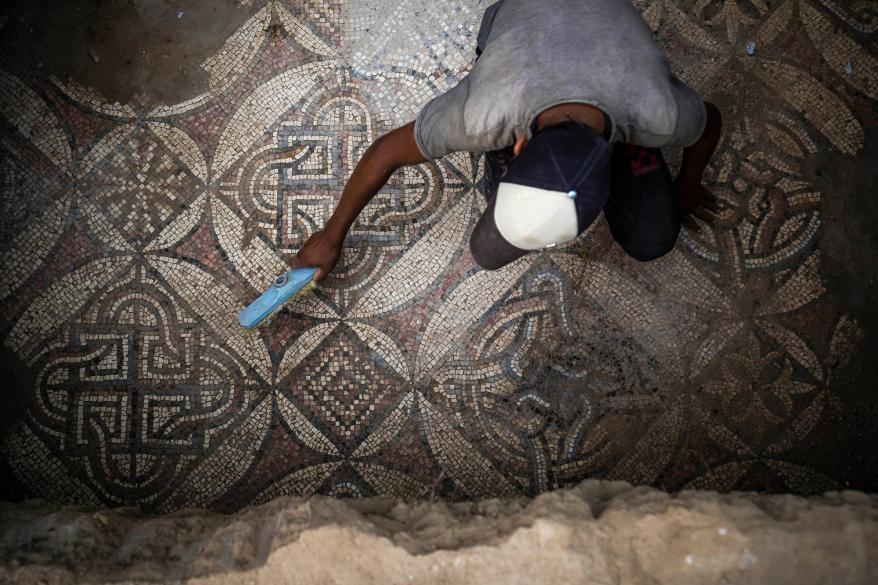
[127,50]
[159,170]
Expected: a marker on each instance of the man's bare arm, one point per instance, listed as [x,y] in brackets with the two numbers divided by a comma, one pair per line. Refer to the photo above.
[695,160]
[380,161]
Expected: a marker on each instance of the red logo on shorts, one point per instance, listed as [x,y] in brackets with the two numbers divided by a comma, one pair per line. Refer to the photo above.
[642,160]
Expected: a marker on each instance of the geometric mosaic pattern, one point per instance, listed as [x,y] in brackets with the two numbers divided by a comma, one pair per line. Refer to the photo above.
[133,235]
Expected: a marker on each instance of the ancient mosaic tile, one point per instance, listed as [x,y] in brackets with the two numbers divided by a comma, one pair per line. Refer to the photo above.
[410,372]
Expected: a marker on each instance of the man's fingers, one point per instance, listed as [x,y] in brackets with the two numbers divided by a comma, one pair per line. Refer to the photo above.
[689,223]
[710,202]
[704,214]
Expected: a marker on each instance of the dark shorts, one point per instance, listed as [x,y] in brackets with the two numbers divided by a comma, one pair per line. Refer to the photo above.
[642,210]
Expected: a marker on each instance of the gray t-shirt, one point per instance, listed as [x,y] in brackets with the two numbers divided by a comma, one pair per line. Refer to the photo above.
[541,53]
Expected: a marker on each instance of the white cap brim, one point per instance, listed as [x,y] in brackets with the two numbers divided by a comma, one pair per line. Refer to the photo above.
[532,219]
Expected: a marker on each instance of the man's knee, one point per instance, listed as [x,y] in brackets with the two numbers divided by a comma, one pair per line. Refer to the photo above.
[646,251]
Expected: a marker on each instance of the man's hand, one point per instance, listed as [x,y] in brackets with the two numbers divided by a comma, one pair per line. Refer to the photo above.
[320,251]
[696,200]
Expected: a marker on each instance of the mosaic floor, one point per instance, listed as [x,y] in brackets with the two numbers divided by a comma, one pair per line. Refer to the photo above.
[133,234]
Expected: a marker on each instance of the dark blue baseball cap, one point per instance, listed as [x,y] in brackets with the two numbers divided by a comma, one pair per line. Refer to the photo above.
[550,194]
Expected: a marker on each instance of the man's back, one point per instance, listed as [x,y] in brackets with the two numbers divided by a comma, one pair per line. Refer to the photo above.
[540,54]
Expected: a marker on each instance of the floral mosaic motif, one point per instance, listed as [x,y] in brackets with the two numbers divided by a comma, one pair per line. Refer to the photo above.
[731,14]
[755,389]
[138,189]
[411,372]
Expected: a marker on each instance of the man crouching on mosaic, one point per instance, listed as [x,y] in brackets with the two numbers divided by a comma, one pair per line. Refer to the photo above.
[570,100]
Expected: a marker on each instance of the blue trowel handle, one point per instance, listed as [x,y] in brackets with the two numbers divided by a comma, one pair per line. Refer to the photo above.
[281,290]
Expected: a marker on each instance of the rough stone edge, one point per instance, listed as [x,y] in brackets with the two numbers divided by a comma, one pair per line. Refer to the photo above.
[609,528]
